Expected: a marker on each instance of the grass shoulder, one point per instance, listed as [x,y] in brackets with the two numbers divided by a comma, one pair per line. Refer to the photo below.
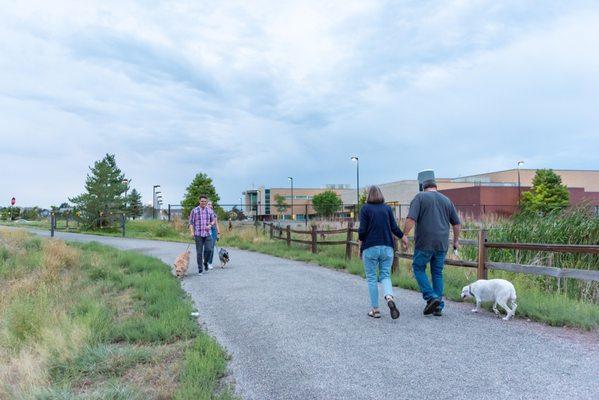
[86,321]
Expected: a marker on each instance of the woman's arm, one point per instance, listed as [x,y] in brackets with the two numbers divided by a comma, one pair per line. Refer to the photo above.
[363,228]
[394,228]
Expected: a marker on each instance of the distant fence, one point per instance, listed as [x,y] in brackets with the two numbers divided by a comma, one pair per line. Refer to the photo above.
[345,212]
[72,222]
[482,263]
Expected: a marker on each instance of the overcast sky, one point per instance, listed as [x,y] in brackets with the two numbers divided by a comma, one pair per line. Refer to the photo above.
[251,92]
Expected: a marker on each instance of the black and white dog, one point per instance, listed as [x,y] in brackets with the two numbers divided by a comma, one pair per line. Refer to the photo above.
[223,256]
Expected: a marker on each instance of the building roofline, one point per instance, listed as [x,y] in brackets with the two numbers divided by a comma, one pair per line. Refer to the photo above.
[526,169]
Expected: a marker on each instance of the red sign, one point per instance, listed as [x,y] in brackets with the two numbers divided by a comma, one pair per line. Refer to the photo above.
[13,201]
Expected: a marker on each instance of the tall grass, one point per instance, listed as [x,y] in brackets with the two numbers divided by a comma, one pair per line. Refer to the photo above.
[572,226]
[88,321]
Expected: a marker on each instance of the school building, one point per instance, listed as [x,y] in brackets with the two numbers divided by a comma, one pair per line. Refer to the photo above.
[488,193]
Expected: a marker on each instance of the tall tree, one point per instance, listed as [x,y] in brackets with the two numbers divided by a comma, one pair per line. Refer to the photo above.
[281,205]
[201,184]
[135,208]
[547,193]
[104,196]
[326,203]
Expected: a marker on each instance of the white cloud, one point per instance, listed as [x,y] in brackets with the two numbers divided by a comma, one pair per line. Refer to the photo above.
[254,92]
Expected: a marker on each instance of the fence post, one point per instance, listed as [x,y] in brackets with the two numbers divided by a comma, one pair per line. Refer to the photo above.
[481,271]
[350,237]
[123,222]
[271,230]
[52,225]
[314,249]
[169,213]
[306,217]
[288,235]
[395,265]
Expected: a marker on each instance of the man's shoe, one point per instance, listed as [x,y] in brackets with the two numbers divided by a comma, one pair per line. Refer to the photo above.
[438,312]
[210,266]
[431,305]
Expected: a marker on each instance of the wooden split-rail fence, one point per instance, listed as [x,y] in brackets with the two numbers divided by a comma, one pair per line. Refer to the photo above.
[482,265]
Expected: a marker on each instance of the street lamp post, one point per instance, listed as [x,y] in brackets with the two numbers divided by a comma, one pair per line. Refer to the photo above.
[258,201]
[154,193]
[519,189]
[290,178]
[357,160]
[126,182]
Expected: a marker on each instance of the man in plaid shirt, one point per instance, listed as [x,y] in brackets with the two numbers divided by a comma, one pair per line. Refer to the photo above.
[201,220]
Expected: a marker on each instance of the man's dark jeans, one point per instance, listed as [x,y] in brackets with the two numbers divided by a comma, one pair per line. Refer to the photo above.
[203,248]
[436,260]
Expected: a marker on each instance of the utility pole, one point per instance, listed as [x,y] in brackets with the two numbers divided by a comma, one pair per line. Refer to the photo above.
[291,180]
[357,160]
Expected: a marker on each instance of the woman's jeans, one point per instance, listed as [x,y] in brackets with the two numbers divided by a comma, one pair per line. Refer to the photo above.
[214,235]
[378,259]
[436,259]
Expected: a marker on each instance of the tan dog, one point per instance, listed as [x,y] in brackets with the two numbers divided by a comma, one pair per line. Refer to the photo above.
[182,263]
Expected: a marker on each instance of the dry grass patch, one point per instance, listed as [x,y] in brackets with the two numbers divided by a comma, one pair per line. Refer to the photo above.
[88,321]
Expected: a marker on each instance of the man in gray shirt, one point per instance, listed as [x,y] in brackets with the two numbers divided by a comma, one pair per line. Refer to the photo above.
[432,213]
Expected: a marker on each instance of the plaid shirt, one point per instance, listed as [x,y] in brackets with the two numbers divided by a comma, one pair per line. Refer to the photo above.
[201,219]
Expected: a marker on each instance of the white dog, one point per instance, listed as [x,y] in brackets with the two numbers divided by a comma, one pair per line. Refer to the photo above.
[499,291]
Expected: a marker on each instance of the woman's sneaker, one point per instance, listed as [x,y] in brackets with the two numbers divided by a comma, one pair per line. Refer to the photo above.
[393,308]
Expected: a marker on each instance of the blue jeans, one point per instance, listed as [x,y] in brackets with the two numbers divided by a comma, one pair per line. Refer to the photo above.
[214,235]
[378,259]
[436,259]
[203,251]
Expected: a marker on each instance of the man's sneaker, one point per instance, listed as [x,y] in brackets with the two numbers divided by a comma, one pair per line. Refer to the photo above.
[438,312]
[210,266]
[431,305]
[205,267]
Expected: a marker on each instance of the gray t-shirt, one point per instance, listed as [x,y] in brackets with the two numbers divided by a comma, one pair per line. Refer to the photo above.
[433,213]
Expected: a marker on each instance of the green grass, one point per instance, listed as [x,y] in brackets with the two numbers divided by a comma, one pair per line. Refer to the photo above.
[86,321]
[573,303]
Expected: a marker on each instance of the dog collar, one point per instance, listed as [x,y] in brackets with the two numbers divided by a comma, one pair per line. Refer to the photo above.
[470,291]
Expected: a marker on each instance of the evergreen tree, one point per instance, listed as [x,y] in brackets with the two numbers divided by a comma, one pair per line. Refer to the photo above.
[201,184]
[135,208]
[547,193]
[104,198]
[326,203]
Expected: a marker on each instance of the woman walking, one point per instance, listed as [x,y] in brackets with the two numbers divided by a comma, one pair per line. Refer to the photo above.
[215,233]
[377,225]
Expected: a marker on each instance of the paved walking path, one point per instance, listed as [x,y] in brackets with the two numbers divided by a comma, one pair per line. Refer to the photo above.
[299,331]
